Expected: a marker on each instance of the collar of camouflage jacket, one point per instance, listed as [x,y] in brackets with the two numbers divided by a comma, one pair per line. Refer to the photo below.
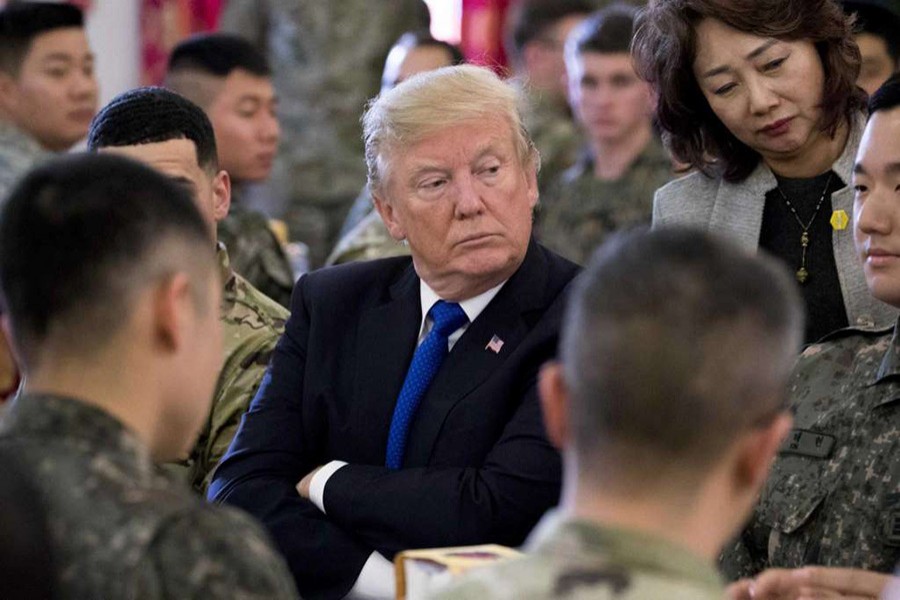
[225,270]
[68,420]
[632,550]
[890,362]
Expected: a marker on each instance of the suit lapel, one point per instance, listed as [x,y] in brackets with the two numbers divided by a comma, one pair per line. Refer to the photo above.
[470,362]
[738,209]
[385,345]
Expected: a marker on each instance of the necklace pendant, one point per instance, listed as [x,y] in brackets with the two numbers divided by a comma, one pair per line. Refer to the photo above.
[804,239]
[802,275]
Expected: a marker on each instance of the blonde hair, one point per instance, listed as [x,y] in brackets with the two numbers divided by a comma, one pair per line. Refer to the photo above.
[429,102]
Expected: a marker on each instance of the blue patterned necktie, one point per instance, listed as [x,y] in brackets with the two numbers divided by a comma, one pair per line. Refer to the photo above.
[447,317]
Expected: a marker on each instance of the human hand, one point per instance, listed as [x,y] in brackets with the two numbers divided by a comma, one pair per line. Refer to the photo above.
[809,583]
[303,486]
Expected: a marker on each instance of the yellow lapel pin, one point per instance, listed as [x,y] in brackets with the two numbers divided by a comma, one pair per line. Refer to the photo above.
[839,220]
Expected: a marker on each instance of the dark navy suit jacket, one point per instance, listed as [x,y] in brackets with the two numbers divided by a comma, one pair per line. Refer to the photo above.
[477,468]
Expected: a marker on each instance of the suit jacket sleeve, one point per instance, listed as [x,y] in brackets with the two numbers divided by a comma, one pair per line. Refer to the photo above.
[498,501]
[266,460]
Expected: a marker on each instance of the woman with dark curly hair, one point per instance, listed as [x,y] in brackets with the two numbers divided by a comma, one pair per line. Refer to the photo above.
[759,97]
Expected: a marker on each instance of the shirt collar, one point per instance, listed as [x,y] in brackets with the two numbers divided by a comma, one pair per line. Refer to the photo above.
[472,307]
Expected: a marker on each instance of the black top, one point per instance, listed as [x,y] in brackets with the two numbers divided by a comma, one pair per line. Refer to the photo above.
[780,235]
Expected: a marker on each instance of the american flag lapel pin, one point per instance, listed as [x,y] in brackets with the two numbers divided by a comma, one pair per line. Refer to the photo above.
[494,345]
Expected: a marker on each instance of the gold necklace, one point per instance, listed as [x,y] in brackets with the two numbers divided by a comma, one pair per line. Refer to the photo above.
[802,274]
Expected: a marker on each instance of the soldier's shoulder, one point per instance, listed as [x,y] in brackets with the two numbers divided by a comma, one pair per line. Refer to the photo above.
[248,307]
[546,577]
[858,342]
[222,553]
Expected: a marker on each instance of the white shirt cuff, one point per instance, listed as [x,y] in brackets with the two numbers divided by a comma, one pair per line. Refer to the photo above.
[317,485]
[376,581]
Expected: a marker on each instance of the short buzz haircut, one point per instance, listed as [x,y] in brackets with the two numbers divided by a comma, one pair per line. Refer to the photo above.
[150,115]
[530,20]
[673,343]
[607,31]
[80,236]
[887,97]
[21,22]
[429,102]
[211,55]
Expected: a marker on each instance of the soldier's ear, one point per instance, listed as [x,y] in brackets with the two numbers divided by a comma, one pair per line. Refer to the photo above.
[172,304]
[221,195]
[8,92]
[555,404]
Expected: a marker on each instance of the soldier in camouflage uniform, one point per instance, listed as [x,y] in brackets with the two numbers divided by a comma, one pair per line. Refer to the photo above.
[834,495]
[536,35]
[370,239]
[624,163]
[42,114]
[129,347]
[659,471]
[326,62]
[252,323]
[230,79]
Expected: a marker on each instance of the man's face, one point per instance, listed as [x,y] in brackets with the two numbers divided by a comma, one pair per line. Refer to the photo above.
[402,63]
[877,64]
[876,211]
[462,199]
[544,60]
[244,118]
[177,159]
[54,96]
[607,97]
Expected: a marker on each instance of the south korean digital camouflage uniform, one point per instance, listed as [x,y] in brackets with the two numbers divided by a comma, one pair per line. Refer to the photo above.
[119,528]
[833,497]
[327,59]
[251,326]
[582,560]
[579,211]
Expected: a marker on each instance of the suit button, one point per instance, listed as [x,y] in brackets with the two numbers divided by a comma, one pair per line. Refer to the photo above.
[865,321]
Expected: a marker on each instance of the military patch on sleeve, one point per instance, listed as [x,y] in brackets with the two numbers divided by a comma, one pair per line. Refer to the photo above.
[892,521]
[808,443]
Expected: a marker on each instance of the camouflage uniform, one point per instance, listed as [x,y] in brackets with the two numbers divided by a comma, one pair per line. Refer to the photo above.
[256,254]
[578,559]
[833,497]
[121,529]
[369,240]
[326,59]
[554,133]
[18,153]
[251,326]
[579,211]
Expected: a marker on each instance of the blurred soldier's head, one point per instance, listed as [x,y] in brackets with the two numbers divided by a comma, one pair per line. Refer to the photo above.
[670,390]
[453,172]
[230,79]
[171,134]
[417,52]
[878,38]
[536,35]
[876,179]
[47,84]
[611,103]
[109,288]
